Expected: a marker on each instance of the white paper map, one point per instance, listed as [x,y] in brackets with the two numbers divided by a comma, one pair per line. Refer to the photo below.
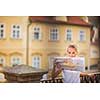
[79,62]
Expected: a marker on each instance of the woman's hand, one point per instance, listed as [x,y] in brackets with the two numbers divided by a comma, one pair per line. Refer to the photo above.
[56,70]
[67,60]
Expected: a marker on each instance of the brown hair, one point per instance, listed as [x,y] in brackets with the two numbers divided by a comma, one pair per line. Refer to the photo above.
[72,46]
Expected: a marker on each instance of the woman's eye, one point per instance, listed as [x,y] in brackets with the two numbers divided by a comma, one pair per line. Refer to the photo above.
[71,52]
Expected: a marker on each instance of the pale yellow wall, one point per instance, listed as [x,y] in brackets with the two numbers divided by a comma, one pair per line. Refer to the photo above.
[94,51]
[45,46]
[94,61]
[9,45]
[94,57]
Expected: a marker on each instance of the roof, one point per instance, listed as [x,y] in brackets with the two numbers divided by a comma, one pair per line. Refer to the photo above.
[77,20]
[71,20]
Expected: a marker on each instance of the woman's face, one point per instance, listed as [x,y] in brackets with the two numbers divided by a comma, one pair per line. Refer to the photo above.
[71,52]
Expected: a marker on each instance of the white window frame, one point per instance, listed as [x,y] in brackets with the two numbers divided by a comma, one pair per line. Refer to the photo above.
[71,34]
[3,58]
[36,65]
[84,38]
[3,31]
[16,58]
[50,60]
[16,30]
[50,37]
[38,31]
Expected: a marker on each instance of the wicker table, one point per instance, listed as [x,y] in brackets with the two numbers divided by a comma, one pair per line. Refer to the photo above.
[23,74]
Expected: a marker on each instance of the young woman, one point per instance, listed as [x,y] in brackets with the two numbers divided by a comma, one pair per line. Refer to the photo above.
[69,76]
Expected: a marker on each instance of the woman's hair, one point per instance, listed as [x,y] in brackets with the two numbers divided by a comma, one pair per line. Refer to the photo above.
[72,46]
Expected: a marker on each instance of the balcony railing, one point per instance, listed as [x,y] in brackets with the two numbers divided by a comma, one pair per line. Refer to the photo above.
[56,80]
[84,79]
[91,79]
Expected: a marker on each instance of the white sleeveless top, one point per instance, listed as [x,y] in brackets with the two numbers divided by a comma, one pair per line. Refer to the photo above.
[70,76]
[73,75]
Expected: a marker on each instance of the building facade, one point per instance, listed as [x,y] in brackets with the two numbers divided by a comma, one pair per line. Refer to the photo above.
[13,32]
[95,40]
[35,40]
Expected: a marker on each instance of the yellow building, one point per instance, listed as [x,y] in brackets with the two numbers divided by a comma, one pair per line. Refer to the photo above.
[95,40]
[95,48]
[54,34]
[13,36]
[35,40]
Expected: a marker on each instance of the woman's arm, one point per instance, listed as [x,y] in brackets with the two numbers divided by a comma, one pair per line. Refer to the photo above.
[56,70]
[85,74]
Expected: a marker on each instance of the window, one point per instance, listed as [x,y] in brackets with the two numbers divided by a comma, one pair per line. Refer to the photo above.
[2,31]
[94,53]
[50,60]
[81,36]
[37,33]
[69,35]
[2,60]
[36,61]
[15,60]
[54,34]
[16,31]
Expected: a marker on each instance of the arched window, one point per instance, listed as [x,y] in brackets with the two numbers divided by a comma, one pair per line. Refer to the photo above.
[36,61]
[2,60]
[16,60]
